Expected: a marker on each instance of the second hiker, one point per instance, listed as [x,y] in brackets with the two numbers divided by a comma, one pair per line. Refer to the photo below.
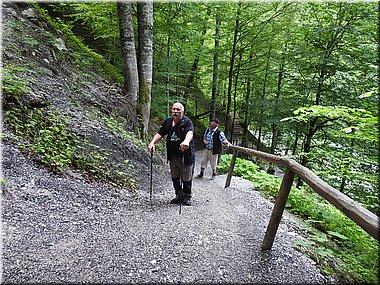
[213,139]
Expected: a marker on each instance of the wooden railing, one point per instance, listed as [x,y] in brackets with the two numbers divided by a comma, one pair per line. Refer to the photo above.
[360,215]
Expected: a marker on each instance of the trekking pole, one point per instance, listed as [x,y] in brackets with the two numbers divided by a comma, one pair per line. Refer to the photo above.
[180,200]
[181,194]
[151,177]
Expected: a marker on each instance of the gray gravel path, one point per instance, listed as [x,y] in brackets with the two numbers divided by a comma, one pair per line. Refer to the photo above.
[57,229]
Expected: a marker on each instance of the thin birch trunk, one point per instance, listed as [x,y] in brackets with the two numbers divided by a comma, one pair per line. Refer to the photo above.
[145,62]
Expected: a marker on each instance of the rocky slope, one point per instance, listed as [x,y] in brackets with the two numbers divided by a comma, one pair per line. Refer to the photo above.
[54,81]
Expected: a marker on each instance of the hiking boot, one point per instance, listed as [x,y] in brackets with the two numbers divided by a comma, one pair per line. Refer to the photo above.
[200,175]
[187,200]
[176,200]
[213,176]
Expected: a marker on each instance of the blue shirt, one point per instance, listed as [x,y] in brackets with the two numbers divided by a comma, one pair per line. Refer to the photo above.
[209,135]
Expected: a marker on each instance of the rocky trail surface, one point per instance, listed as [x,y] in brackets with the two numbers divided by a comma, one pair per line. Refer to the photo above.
[58,229]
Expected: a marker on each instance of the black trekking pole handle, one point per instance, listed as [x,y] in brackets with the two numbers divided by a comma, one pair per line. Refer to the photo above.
[151,177]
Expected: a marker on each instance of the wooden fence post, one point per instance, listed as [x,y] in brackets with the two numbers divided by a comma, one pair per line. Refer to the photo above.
[231,170]
[278,209]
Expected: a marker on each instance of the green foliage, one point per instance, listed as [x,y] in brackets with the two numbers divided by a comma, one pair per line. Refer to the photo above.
[14,86]
[247,169]
[95,23]
[328,113]
[2,182]
[332,236]
[347,157]
[31,41]
[346,170]
[159,108]
[84,57]
[47,139]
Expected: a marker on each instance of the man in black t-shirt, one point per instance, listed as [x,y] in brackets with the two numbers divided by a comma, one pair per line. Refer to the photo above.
[180,149]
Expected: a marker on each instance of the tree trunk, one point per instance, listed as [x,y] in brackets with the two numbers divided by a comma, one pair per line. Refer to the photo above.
[194,67]
[295,145]
[145,62]
[308,139]
[313,123]
[329,47]
[167,81]
[127,42]
[274,125]
[230,73]
[235,95]
[263,93]
[246,114]
[247,106]
[214,91]
[259,135]
[307,147]
[247,118]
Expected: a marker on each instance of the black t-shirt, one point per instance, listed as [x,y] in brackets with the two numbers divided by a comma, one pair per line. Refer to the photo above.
[174,142]
[176,132]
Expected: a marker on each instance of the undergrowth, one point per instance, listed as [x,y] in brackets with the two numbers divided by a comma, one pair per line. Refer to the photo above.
[46,138]
[13,85]
[337,244]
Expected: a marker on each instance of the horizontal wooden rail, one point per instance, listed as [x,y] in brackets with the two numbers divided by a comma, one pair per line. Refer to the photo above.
[357,213]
